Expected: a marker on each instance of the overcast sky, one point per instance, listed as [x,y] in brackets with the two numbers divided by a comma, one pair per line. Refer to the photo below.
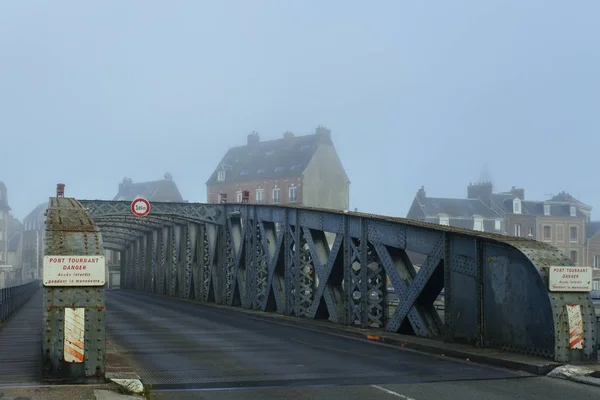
[415,93]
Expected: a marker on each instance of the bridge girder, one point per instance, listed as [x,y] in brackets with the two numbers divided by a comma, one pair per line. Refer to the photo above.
[316,263]
[198,212]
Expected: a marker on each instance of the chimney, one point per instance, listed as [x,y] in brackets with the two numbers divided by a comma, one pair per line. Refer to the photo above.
[421,195]
[482,191]
[518,192]
[323,134]
[60,190]
[253,138]
[126,182]
[289,135]
[168,176]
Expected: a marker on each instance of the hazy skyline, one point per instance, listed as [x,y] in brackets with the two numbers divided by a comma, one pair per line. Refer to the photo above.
[414,93]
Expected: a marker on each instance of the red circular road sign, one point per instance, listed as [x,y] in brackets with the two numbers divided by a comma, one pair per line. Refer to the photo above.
[140,207]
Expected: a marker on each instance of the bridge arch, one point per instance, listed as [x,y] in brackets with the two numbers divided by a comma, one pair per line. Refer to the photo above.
[315,263]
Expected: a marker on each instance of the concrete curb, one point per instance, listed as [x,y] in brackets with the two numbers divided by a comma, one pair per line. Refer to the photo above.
[409,343]
[118,370]
[537,366]
[577,373]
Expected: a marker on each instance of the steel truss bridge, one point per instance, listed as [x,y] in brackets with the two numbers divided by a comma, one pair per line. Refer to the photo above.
[324,264]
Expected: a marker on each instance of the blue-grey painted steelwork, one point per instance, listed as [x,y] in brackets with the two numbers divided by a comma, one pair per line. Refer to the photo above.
[13,297]
[279,259]
[70,231]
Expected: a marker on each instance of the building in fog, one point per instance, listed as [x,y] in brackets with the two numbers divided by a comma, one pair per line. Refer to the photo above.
[162,190]
[559,221]
[32,242]
[294,169]
[469,213]
[592,246]
[4,214]
[15,231]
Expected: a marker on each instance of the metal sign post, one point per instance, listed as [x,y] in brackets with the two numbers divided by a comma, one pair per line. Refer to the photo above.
[73,275]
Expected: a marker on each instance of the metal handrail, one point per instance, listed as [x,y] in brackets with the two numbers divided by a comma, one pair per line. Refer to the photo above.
[12,298]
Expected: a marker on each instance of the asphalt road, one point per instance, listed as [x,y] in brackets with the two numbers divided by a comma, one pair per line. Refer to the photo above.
[187,351]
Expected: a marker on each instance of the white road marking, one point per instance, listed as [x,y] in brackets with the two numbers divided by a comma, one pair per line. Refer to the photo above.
[400,396]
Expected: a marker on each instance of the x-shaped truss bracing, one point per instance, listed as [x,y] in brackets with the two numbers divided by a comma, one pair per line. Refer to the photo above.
[348,267]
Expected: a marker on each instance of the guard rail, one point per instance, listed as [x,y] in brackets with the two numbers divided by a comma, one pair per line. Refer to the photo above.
[11,298]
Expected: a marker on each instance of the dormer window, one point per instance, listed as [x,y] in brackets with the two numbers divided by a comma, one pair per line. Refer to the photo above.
[517,206]
[477,223]
[546,209]
[573,211]
[221,176]
[444,219]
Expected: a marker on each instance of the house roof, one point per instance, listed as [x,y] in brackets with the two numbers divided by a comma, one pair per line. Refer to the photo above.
[14,225]
[164,190]
[591,228]
[565,197]
[13,241]
[502,204]
[455,208]
[536,208]
[273,159]
[37,213]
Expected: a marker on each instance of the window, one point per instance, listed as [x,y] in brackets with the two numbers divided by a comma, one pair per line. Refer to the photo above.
[261,171]
[221,176]
[573,233]
[573,211]
[292,194]
[260,195]
[279,169]
[546,209]
[547,232]
[444,219]
[596,263]
[1,235]
[517,206]
[517,229]
[1,256]
[574,256]
[498,224]
[239,196]
[245,172]
[276,195]
[477,223]
[596,285]
[530,232]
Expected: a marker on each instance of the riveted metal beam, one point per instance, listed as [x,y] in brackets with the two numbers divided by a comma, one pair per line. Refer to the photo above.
[74,328]
[191,211]
[316,263]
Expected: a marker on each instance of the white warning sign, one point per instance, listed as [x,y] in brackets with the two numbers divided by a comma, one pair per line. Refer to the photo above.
[74,271]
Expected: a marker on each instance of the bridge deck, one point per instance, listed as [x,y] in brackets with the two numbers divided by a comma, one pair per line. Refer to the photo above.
[20,344]
[180,345]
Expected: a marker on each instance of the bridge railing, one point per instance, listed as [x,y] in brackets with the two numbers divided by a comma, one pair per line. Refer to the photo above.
[13,297]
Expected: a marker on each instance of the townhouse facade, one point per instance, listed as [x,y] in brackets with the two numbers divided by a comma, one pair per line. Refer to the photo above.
[560,221]
[304,170]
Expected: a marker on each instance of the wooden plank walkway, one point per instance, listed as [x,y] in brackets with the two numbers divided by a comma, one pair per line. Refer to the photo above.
[21,344]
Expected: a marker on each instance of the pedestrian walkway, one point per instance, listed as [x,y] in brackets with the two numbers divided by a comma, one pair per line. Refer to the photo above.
[21,344]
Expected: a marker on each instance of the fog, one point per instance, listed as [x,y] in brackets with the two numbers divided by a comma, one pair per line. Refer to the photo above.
[415,93]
